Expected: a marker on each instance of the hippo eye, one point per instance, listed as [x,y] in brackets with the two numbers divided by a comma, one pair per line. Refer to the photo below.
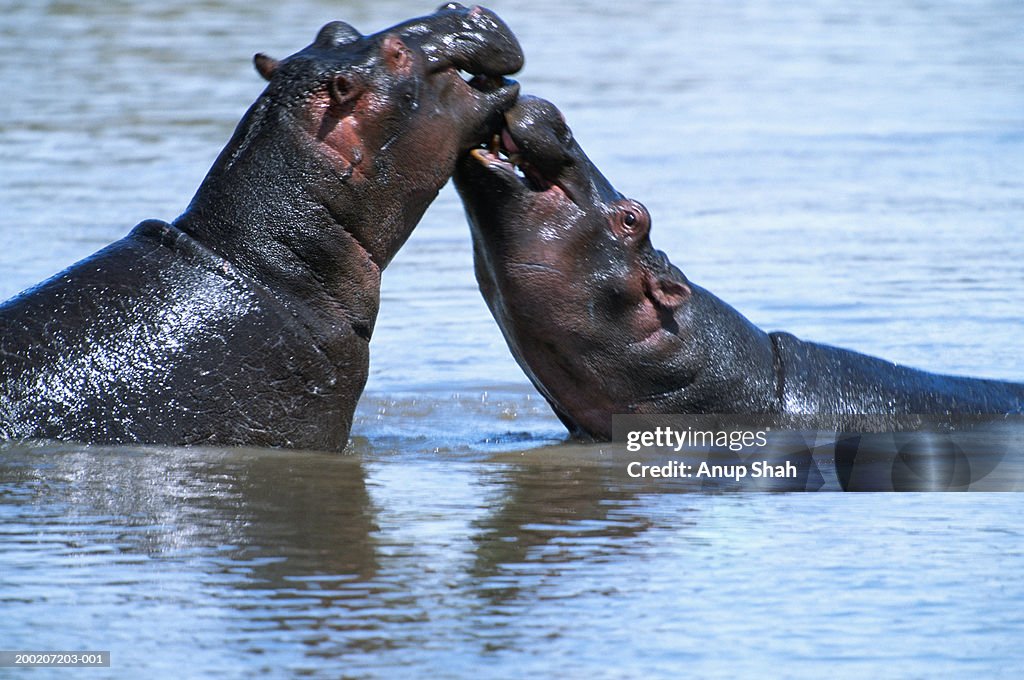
[632,219]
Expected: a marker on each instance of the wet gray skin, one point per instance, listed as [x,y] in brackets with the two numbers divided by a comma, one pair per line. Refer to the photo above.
[248,320]
[603,324]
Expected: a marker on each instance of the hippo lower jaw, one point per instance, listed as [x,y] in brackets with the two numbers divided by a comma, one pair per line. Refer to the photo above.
[502,155]
[493,96]
[486,85]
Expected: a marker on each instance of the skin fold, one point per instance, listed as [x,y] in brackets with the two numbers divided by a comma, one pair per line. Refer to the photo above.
[247,320]
[603,324]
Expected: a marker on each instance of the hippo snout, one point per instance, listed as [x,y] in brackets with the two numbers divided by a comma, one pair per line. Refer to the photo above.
[473,39]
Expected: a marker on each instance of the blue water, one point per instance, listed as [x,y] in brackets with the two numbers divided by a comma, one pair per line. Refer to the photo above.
[849,173]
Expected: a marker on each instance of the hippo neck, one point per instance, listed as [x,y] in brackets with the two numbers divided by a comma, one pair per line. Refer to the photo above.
[259,210]
[725,364]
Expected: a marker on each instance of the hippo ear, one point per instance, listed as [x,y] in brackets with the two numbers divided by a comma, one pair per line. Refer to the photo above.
[666,293]
[265,65]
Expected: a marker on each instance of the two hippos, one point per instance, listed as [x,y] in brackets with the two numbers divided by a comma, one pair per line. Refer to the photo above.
[247,320]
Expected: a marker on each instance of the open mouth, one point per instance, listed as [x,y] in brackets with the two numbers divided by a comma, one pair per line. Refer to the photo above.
[488,85]
[503,154]
[484,83]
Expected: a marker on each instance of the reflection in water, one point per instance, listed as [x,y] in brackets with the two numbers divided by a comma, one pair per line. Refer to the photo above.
[298,515]
[551,515]
[284,539]
[321,563]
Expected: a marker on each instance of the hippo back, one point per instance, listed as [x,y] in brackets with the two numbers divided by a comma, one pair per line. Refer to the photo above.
[819,378]
[157,339]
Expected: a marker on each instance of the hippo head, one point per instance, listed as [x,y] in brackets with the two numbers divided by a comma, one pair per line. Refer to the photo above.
[352,139]
[566,265]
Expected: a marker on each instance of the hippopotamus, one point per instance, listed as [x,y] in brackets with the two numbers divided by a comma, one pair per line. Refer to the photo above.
[603,324]
[247,320]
